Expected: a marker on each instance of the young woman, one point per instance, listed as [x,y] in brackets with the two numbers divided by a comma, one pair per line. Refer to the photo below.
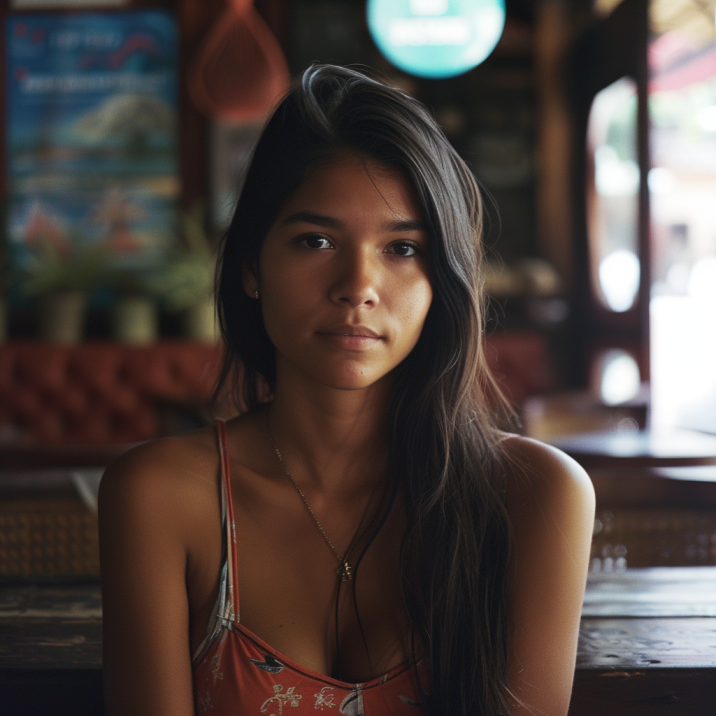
[362,539]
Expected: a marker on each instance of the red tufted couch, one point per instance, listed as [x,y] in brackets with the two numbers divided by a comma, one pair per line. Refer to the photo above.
[521,363]
[102,392]
[97,392]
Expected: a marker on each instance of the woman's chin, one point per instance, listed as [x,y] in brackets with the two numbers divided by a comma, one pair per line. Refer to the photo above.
[351,377]
[350,382]
[331,371]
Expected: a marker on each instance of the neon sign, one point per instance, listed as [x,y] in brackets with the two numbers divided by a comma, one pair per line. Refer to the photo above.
[436,38]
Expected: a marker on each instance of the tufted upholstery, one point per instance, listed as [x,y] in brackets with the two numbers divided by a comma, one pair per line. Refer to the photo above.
[520,362]
[101,392]
[98,392]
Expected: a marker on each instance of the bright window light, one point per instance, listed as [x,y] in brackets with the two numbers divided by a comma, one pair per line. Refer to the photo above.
[614,176]
[661,180]
[620,377]
[619,279]
[706,118]
[702,279]
[683,355]
[612,195]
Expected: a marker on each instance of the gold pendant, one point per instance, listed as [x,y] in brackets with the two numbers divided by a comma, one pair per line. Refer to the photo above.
[345,571]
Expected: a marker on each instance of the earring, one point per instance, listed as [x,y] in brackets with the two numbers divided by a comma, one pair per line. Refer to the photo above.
[256,294]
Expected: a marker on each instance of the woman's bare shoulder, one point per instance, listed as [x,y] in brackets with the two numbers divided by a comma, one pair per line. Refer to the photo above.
[164,475]
[170,455]
[537,465]
[550,503]
[157,503]
[537,470]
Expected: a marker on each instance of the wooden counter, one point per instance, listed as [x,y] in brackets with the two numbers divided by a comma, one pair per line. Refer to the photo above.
[51,650]
[647,646]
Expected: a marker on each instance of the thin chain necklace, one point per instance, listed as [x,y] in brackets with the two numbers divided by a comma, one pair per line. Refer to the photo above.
[345,571]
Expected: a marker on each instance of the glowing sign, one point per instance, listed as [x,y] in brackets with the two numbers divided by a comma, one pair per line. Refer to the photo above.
[436,38]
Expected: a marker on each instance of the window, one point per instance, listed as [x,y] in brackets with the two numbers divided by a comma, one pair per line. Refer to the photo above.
[613,195]
[682,185]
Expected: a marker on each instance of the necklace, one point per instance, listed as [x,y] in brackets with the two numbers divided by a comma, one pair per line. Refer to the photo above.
[345,571]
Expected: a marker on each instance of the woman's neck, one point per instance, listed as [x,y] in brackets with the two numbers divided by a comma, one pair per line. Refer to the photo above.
[334,440]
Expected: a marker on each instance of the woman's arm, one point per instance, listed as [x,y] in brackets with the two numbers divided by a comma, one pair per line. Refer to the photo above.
[550,500]
[146,658]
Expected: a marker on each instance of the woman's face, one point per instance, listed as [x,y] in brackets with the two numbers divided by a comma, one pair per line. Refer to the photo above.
[343,274]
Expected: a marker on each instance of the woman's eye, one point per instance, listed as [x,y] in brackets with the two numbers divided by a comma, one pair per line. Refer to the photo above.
[316,241]
[404,248]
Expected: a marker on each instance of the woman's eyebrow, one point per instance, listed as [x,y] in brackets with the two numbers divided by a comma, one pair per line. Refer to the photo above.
[406,225]
[305,217]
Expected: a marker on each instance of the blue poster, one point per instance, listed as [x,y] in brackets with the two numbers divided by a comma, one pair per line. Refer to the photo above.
[92,133]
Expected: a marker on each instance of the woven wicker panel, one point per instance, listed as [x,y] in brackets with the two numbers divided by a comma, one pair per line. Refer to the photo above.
[653,538]
[48,537]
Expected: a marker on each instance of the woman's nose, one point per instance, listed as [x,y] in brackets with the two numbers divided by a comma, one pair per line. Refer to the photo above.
[356,279]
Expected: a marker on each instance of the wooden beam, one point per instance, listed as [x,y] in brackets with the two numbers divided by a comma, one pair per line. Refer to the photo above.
[554,139]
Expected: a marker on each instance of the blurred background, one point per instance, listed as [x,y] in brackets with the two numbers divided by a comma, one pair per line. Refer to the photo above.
[590,124]
[128,126]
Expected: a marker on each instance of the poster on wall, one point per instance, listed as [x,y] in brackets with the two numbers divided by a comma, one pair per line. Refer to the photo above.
[92,134]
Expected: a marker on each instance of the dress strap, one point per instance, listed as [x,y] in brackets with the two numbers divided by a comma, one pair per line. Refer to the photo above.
[232,605]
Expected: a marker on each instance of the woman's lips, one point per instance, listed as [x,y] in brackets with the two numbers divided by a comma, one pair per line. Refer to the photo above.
[352,338]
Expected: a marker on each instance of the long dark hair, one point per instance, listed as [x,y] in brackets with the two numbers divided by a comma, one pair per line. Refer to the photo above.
[444,447]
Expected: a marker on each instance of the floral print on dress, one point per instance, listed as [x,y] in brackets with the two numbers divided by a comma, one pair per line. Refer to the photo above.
[282,698]
[204,702]
[215,666]
[324,698]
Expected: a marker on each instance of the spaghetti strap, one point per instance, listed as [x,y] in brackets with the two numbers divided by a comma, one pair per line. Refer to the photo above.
[231,561]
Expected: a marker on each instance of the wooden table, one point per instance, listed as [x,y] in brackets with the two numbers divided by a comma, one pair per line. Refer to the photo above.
[647,646]
[677,448]
[51,650]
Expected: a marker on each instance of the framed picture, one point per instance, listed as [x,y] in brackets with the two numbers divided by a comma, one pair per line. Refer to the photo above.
[92,134]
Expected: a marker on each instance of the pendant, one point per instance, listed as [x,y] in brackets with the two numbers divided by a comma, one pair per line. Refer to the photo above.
[345,571]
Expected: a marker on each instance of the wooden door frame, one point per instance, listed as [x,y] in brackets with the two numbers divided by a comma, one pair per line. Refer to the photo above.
[613,48]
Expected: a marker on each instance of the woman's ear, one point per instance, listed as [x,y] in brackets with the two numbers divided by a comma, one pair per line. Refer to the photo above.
[249,279]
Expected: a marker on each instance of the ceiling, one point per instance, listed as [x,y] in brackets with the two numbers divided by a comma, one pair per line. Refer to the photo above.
[695,17]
